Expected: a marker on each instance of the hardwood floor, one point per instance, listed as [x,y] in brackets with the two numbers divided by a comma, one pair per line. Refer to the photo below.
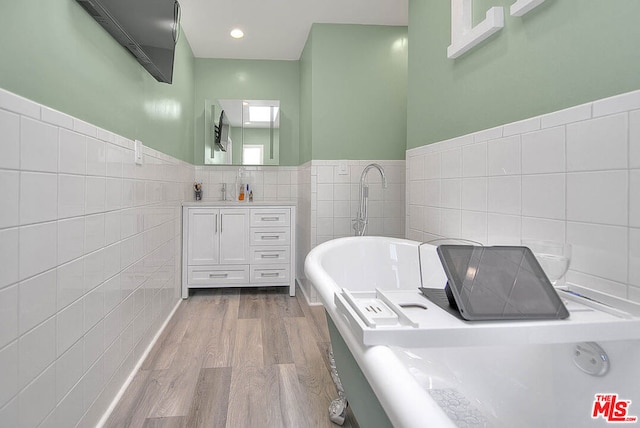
[235,358]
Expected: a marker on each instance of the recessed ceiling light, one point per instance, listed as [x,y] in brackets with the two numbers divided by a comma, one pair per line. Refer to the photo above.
[237,33]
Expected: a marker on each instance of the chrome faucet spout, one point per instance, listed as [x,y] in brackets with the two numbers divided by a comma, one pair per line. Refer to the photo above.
[362,218]
[366,169]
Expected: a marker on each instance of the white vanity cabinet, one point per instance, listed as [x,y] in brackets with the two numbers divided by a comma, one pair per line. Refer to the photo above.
[238,245]
[217,236]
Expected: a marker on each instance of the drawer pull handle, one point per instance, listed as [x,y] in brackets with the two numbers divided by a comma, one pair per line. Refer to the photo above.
[218,275]
[269,256]
[269,274]
[269,237]
[269,218]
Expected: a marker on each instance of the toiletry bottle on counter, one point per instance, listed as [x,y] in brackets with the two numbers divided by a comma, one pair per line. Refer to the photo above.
[251,195]
[241,195]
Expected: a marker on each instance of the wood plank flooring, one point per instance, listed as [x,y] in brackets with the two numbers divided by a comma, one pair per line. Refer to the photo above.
[235,358]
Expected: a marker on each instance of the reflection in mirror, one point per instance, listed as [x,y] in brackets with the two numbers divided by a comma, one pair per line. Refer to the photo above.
[242,132]
[261,132]
[223,141]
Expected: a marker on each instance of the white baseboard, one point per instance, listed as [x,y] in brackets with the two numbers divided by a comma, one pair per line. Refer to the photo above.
[306,297]
[124,387]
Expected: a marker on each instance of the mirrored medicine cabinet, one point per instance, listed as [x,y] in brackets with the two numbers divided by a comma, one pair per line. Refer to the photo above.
[242,132]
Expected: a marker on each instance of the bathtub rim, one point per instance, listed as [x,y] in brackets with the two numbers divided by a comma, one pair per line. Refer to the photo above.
[404,400]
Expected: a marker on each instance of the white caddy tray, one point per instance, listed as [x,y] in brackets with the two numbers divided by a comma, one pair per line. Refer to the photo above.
[406,318]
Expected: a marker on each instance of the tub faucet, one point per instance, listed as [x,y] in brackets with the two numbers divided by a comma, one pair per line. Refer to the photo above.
[362,218]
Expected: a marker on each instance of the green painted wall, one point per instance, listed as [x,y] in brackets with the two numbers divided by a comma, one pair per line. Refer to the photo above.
[561,54]
[54,53]
[344,99]
[237,134]
[306,106]
[250,79]
[358,91]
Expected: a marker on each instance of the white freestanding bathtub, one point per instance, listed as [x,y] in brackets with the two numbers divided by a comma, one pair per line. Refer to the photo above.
[503,385]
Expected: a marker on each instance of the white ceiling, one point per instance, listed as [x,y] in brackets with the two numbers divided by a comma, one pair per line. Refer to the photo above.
[275,29]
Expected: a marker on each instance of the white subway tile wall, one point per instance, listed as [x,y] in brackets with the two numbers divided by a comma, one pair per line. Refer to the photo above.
[268,183]
[82,225]
[90,255]
[328,194]
[336,196]
[327,200]
[306,202]
[570,176]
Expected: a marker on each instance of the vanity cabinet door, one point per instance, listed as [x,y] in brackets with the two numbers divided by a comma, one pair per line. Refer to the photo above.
[234,236]
[204,239]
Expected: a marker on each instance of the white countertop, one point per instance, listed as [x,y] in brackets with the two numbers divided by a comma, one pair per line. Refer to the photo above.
[205,204]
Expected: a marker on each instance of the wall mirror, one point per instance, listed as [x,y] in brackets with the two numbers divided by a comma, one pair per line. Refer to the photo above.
[242,132]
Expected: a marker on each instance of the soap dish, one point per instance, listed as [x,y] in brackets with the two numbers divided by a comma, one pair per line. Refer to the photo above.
[373,308]
[375,311]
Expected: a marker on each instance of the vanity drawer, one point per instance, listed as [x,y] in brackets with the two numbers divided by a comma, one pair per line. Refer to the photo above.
[271,274]
[266,255]
[270,236]
[212,275]
[270,217]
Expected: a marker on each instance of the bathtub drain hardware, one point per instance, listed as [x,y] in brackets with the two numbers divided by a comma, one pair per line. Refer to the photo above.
[591,358]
